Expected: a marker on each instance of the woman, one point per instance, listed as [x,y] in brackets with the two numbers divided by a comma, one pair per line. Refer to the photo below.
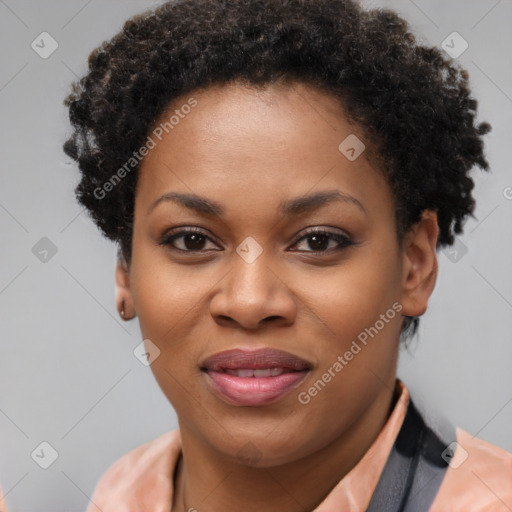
[278,175]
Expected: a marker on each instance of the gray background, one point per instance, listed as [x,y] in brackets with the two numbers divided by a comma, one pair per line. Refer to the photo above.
[68,375]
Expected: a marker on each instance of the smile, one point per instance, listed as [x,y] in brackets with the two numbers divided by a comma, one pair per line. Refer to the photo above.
[254,377]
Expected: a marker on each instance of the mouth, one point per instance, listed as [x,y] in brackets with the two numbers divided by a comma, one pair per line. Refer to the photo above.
[254,377]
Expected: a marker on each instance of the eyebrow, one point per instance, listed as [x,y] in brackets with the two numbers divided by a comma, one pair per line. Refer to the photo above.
[299,205]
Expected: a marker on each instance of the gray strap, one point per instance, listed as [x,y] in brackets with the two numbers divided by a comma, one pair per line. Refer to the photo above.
[414,470]
[431,468]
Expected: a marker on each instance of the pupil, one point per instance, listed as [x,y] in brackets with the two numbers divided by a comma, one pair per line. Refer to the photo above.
[193,241]
[317,245]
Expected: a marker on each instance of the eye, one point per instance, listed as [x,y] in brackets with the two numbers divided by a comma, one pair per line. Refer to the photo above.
[186,240]
[193,240]
[320,240]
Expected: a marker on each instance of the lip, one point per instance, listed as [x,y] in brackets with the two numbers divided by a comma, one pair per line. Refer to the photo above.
[288,371]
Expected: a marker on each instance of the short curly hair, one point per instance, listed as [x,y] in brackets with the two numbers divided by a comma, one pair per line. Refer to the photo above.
[411,101]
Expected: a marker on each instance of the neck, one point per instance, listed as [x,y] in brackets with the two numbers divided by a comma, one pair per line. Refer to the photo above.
[208,482]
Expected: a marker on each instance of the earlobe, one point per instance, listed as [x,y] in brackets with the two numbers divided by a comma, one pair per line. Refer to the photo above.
[124,301]
[420,265]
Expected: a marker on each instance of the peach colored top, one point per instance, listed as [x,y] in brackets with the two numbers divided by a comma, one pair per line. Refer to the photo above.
[142,480]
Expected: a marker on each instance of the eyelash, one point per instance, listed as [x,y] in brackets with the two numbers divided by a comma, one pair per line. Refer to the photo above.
[343,240]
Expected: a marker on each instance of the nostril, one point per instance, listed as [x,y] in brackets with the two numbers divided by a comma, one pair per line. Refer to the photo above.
[270,318]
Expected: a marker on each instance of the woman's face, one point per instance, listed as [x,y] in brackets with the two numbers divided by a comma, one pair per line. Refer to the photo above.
[255,174]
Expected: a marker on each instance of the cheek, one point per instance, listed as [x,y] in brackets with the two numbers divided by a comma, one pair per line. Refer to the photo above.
[349,298]
[169,302]
[357,312]
[166,296]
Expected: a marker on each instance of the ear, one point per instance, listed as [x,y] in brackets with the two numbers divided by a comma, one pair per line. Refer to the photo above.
[124,300]
[419,264]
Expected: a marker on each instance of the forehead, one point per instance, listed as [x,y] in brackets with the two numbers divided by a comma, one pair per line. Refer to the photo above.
[249,144]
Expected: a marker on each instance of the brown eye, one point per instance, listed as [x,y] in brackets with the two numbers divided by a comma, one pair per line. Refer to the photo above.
[187,240]
[193,241]
[324,241]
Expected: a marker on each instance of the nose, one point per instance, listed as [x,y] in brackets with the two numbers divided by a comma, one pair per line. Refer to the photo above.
[252,295]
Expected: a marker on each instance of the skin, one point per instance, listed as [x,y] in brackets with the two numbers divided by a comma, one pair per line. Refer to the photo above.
[249,149]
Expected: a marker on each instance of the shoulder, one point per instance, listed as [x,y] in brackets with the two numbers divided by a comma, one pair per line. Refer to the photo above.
[479,478]
[141,479]
[3,505]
